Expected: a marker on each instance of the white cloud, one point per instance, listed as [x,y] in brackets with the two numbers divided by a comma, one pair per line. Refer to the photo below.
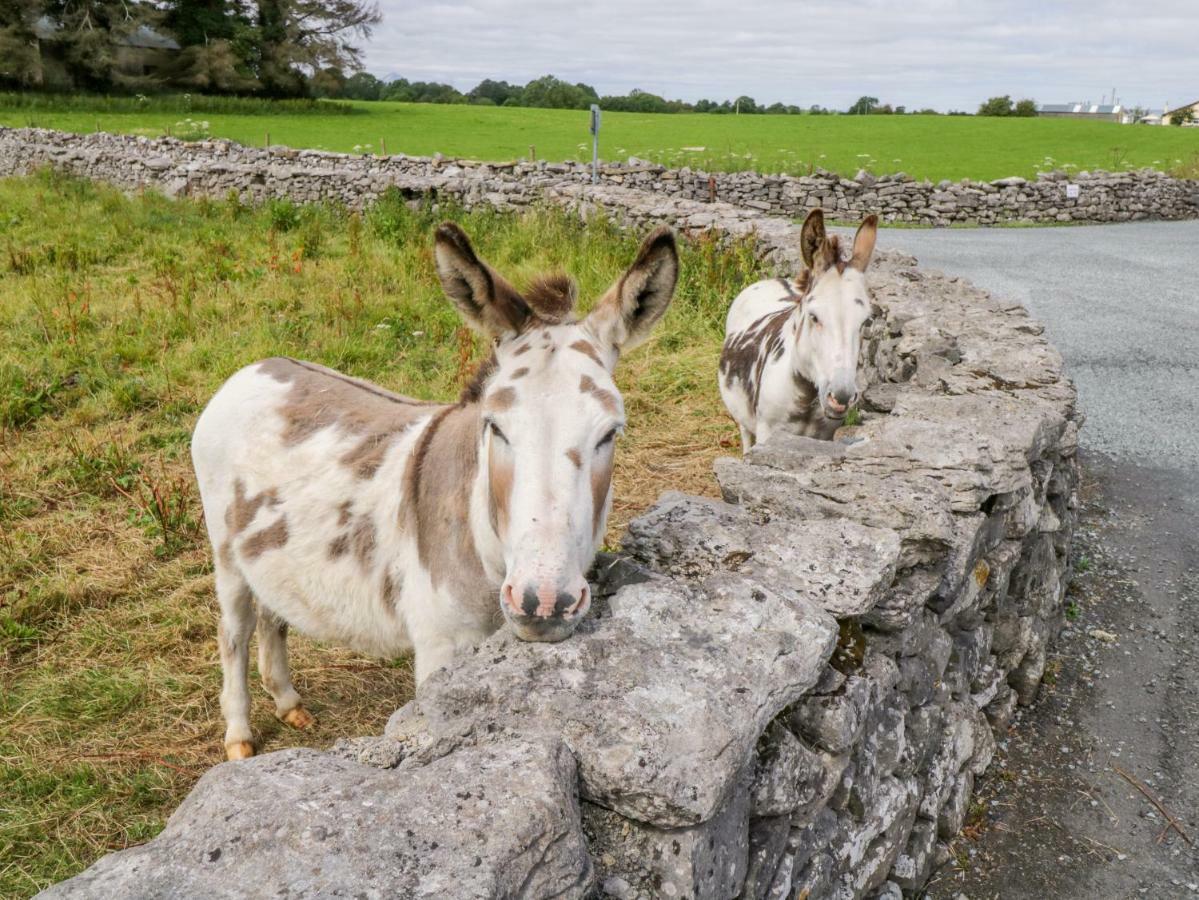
[938,53]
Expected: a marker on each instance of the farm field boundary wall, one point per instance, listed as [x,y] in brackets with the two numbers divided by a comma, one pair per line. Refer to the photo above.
[181,167]
[786,693]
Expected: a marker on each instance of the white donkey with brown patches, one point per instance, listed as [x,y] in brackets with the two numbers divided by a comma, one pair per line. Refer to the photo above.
[386,524]
[791,347]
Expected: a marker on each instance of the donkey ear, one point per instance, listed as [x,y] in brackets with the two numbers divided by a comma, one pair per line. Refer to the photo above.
[488,303]
[625,315]
[863,243]
[811,236]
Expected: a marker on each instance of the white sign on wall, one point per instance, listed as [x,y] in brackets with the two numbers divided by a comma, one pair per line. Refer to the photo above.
[1071,192]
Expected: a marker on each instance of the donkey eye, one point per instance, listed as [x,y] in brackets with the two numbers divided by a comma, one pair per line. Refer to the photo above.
[607,439]
[495,431]
[812,316]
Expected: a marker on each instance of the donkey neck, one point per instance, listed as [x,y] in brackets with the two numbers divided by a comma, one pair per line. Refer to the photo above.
[445,490]
[806,393]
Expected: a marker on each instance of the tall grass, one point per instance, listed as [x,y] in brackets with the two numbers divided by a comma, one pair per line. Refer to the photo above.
[1187,168]
[119,317]
[169,103]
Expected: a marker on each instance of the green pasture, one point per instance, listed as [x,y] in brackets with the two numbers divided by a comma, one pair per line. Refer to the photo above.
[934,147]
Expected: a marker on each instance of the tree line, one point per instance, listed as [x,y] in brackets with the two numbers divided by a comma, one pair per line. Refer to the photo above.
[273,48]
[550,92]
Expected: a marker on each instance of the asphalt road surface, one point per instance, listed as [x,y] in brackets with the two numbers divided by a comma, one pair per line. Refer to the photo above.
[1077,804]
[1121,303]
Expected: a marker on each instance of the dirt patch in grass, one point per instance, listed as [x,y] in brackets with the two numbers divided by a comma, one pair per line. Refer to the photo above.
[119,317]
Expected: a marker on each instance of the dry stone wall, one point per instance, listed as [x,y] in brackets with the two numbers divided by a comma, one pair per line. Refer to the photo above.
[785,693]
[217,167]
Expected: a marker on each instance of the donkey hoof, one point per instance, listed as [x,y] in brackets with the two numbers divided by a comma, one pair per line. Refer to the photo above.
[239,750]
[298,717]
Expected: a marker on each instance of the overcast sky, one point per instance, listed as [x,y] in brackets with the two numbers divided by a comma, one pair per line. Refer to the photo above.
[939,53]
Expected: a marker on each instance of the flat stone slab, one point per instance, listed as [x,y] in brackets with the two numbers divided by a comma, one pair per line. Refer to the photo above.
[495,821]
[841,566]
[791,477]
[661,694]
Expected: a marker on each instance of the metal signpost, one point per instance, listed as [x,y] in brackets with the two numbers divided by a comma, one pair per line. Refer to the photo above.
[595,126]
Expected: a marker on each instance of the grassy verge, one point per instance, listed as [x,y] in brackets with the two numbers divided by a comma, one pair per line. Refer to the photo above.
[934,147]
[119,317]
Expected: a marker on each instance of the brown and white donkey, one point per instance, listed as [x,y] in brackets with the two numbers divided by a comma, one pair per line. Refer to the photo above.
[385,524]
[790,356]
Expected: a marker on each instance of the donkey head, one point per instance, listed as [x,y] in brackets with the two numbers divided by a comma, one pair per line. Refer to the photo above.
[550,415]
[834,308]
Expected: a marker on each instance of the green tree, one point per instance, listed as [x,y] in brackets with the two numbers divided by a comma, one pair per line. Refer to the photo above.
[1183,116]
[294,39]
[996,106]
[864,106]
[96,41]
[497,92]
[548,92]
[1026,109]
[362,86]
[638,101]
[216,39]
[20,59]
[407,91]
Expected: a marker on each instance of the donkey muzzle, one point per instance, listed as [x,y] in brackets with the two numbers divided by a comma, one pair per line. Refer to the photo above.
[545,612]
[836,402]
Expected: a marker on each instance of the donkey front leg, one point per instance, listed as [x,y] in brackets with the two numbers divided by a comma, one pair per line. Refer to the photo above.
[233,638]
[431,656]
[276,674]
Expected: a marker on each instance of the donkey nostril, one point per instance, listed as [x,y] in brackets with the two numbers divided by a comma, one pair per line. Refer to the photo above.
[530,602]
[508,597]
[568,602]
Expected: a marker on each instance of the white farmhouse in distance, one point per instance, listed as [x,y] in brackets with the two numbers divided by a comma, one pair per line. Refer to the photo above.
[1168,114]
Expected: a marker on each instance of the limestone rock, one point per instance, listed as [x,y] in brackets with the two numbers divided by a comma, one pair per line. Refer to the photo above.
[496,821]
[661,696]
[841,566]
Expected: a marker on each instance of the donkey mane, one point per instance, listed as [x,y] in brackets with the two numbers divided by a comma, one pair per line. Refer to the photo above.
[472,392]
[803,281]
[551,298]
[551,301]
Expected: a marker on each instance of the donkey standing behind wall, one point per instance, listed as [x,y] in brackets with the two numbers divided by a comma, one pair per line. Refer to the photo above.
[386,524]
[790,356]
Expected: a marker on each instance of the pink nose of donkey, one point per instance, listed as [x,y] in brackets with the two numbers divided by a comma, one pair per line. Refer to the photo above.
[544,609]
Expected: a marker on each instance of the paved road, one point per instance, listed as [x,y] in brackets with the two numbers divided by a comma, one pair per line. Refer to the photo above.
[1122,304]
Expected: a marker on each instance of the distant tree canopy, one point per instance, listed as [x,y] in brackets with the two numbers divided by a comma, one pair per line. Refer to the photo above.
[551,92]
[1003,106]
[277,48]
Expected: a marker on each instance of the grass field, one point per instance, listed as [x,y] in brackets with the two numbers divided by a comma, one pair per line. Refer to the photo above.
[119,317]
[933,147]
